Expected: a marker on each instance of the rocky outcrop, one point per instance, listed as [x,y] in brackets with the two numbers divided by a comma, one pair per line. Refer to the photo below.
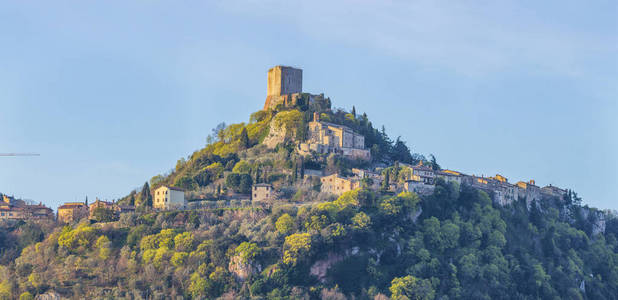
[243,269]
[276,136]
[320,268]
[51,295]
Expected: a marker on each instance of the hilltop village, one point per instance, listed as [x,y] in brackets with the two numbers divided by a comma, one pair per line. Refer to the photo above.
[322,139]
[285,88]
[309,201]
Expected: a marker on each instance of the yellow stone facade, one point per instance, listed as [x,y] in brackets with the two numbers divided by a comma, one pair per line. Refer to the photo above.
[72,211]
[167,197]
[285,84]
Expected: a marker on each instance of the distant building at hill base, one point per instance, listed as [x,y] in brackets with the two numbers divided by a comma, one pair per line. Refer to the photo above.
[16,209]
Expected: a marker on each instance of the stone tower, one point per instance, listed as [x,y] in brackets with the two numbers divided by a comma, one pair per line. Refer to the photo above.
[284,83]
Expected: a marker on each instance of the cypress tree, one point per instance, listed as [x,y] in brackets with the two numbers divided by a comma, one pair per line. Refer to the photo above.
[385,183]
[132,198]
[302,169]
[244,139]
[146,198]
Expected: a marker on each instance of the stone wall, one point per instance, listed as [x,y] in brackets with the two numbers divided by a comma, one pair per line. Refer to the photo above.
[284,80]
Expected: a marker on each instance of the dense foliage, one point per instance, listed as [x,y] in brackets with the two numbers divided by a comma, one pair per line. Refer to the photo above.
[452,244]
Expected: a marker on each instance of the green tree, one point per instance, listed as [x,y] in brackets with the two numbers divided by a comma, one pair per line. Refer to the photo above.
[103,214]
[104,244]
[179,258]
[244,139]
[198,286]
[239,183]
[247,251]
[296,245]
[184,241]
[285,224]
[145,196]
[409,288]
[242,167]
[401,152]
[5,290]
[434,163]
[385,182]
[361,221]
[132,198]
[26,296]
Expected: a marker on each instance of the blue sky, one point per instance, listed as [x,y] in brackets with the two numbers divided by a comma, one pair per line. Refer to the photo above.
[113,93]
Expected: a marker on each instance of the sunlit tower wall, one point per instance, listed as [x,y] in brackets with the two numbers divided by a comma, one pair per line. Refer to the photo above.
[284,80]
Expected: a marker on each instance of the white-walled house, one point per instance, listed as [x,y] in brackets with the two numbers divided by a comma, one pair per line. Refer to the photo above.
[166,197]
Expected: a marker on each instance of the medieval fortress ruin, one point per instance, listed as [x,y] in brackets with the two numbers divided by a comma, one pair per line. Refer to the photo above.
[285,86]
[285,89]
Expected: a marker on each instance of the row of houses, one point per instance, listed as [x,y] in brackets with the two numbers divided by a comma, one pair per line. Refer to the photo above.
[501,191]
[17,209]
[164,198]
[74,211]
[422,180]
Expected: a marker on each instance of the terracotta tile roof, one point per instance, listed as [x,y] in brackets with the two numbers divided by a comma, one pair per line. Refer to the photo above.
[172,188]
[71,206]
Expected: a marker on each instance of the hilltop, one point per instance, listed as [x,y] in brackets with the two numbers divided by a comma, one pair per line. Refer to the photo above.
[308,201]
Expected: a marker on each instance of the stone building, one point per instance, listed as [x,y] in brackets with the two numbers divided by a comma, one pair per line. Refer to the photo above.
[504,193]
[262,192]
[16,209]
[324,137]
[423,173]
[100,204]
[285,84]
[450,176]
[529,190]
[418,187]
[553,191]
[12,213]
[39,211]
[72,211]
[166,197]
[375,178]
[336,184]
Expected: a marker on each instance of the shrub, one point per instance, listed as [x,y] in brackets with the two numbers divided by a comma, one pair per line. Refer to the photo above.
[285,224]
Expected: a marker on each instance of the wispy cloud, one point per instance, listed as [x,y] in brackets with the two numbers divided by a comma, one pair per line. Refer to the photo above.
[474,38]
